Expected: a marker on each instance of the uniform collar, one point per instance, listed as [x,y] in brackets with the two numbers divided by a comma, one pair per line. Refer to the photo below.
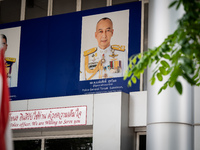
[104,50]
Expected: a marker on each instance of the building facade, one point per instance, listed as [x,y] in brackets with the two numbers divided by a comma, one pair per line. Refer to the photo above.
[115,120]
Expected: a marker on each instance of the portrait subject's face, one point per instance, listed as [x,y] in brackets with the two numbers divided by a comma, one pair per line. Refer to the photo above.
[4,43]
[104,32]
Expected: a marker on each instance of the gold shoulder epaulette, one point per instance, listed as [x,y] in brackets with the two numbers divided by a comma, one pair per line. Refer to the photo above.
[118,47]
[10,59]
[92,50]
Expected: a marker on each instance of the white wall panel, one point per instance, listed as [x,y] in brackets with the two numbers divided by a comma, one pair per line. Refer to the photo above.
[138,109]
[18,105]
[107,116]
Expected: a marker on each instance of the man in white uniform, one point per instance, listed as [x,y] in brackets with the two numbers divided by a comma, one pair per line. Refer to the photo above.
[104,61]
[11,66]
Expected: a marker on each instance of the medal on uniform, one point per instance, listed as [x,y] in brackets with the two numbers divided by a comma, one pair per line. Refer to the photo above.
[101,67]
[105,74]
[103,59]
[115,65]
[113,53]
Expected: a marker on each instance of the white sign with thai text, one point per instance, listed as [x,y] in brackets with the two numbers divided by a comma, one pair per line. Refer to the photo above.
[55,117]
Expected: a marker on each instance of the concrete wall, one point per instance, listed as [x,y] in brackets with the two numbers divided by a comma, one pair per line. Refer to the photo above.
[110,117]
[137,106]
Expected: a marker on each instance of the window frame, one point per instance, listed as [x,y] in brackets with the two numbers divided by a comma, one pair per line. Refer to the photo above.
[43,138]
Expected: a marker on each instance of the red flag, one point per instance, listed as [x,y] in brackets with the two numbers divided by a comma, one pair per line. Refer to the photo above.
[4,104]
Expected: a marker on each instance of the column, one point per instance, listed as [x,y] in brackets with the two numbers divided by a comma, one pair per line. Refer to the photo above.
[169,115]
[196,118]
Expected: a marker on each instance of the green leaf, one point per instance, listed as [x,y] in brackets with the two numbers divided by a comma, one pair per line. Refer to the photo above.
[129,73]
[174,75]
[186,51]
[166,56]
[177,7]
[165,48]
[129,83]
[153,79]
[137,75]
[156,58]
[160,54]
[134,80]
[139,56]
[159,76]
[163,71]
[189,79]
[171,83]
[186,64]
[151,61]
[134,60]
[178,86]
[125,77]
[169,70]
[165,85]
[187,68]
[126,74]
[196,75]
[160,91]
[130,65]
[165,64]
[172,4]
[139,66]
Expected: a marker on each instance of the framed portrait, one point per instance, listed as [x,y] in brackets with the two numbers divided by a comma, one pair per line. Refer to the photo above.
[114,59]
[12,36]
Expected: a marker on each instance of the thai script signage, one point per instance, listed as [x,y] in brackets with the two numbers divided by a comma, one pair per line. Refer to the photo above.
[57,117]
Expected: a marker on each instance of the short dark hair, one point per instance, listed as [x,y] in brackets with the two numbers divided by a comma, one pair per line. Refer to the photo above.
[105,18]
[4,37]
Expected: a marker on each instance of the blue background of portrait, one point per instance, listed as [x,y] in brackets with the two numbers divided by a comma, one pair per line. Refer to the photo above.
[49,60]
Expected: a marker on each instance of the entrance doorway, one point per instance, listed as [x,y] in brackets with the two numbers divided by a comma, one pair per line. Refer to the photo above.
[141,141]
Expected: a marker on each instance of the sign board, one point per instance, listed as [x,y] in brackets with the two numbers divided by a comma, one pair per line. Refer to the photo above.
[42,118]
[62,55]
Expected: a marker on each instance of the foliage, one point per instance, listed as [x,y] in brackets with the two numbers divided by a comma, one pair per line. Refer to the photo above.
[178,55]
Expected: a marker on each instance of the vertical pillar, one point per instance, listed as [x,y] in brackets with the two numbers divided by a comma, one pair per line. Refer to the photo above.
[196,118]
[110,124]
[169,115]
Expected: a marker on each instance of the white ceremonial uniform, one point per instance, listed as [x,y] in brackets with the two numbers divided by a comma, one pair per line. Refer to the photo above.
[108,63]
[11,68]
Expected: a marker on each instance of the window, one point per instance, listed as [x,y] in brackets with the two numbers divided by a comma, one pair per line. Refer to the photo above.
[71,144]
[27,145]
[36,8]
[76,143]
[90,4]
[114,2]
[10,11]
[63,6]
